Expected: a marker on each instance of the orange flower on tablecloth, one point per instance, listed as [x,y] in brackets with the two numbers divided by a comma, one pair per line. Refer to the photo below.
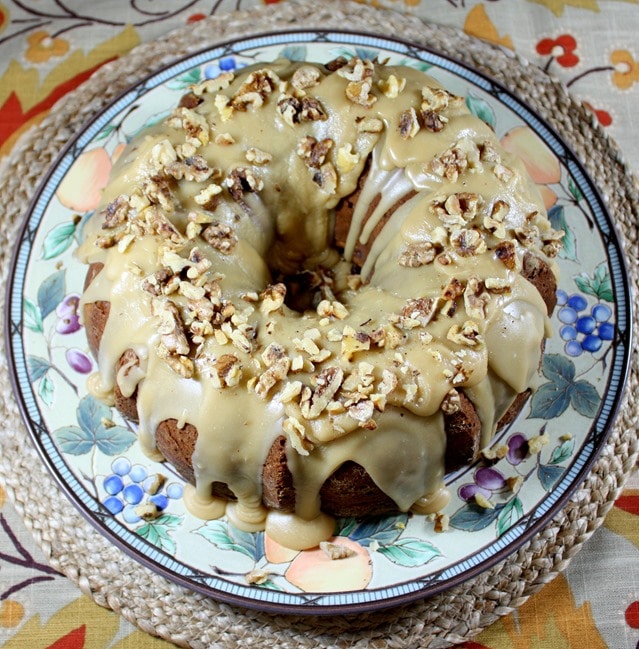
[42,47]
[562,49]
[626,69]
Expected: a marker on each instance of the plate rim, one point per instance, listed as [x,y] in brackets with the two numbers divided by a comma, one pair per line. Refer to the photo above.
[432,587]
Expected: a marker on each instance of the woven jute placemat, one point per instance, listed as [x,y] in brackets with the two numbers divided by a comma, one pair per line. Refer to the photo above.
[160,607]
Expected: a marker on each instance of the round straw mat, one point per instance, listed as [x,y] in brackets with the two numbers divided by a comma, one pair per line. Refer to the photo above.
[158,606]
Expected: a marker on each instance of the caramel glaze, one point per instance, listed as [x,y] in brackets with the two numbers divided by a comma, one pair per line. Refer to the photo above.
[297,168]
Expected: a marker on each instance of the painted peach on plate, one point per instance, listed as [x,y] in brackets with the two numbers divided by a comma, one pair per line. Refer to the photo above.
[315,572]
[276,553]
[81,188]
[540,162]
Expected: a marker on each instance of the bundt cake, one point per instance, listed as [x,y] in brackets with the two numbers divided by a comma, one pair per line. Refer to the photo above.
[317,288]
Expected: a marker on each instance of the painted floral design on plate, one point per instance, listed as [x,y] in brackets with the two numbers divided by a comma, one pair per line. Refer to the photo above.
[137,503]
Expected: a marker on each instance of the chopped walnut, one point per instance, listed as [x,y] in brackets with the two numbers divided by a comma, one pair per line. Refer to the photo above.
[241,180]
[194,124]
[306,76]
[224,139]
[432,121]
[258,157]
[503,173]
[257,576]
[442,522]
[422,310]
[278,369]
[451,403]
[456,209]
[220,236]
[296,110]
[327,383]
[417,254]
[171,327]
[450,164]
[505,252]
[272,297]
[257,86]
[370,125]
[475,298]
[195,168]
[297,435]
[468,242]
[208,197]
[392,86]
[314,152]
[466,334]
[357,69]
[227,371]
[326,178]
[408,124]
[435,99]
[336,551]
[346,158]
[116,212]
[354,341]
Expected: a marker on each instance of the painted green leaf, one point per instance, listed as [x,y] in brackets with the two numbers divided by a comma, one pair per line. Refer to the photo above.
[473,518]
[51,293]
[191,77]
[58,239]
[598,284]
[558,368]
[72,440]
[384,530]
[113,440]
[562,452]
[481,108]
[557,218]
[548,475]
[574,190]
[46,390]
[550,400]
[31,316]
[410,552]
[295,52]
[37,367]
[105,132]
[509,515]
[585,399]
[91,413]
[225,537]
[157,532]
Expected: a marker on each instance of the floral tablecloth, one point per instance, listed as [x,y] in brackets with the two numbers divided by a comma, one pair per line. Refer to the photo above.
[49,47]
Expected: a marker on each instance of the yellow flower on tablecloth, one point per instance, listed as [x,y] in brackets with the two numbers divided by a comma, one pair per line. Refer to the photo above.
[42,47]
[3,497]
[626,69]
[11,614]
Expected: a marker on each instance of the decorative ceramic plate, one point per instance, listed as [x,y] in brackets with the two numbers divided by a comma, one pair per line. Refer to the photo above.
[395,559]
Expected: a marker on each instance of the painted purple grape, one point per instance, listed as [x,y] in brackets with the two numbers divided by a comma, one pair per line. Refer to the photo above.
[606,331]
[67,312]
[113,484]
[79,361]
[577,302]
[517,448]
[489,478]
[468,492]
